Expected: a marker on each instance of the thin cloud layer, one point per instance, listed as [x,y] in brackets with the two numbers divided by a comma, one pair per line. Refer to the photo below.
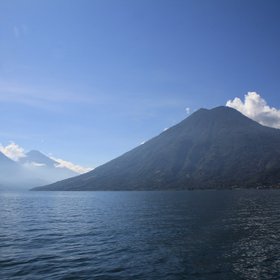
[36,164]
[256,108]
[42,98]
[12,151]
[74,167]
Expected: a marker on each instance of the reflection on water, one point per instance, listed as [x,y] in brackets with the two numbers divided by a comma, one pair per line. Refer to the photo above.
[140,235]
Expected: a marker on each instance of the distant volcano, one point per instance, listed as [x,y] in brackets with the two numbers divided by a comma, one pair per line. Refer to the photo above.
[44,167]
[32,170]
[38,158]
[217,148]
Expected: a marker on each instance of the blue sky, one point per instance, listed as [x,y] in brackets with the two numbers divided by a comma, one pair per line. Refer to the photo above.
[88,80]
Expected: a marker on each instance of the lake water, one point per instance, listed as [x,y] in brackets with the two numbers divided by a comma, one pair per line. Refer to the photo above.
[140,235]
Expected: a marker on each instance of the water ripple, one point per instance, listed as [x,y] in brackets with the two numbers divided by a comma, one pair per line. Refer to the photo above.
[140,235]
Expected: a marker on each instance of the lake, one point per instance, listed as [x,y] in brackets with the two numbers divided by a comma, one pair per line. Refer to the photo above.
[140,235]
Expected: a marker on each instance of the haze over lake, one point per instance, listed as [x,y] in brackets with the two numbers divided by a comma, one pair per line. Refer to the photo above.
[140,235]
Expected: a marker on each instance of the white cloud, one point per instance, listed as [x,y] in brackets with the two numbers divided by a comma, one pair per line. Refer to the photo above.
[256,108]
[13,151]
[37,164]
[188,110]
[33,165]
[67,164]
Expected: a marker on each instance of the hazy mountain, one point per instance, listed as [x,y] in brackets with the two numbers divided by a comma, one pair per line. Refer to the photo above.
[218,148]
[45,168]
[32,170]
[5,162]
[8,170]
[39,158]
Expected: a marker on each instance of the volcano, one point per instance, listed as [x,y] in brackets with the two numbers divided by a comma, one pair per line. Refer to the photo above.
[218,148]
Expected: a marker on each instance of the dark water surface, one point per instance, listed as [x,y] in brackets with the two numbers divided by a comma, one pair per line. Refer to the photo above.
[140,235]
